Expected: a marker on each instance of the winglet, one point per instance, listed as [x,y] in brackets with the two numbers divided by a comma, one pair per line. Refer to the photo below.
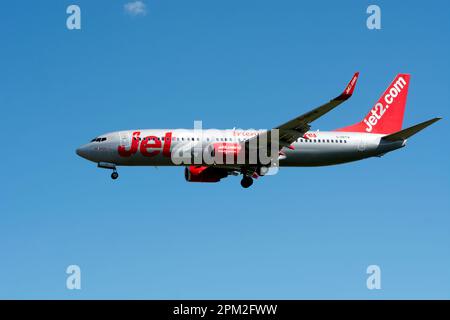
[349,89]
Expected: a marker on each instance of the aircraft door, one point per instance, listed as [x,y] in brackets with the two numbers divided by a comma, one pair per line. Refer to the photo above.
[125,139]
[362,145]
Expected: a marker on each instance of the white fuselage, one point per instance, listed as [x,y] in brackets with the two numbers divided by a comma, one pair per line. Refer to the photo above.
[154,147]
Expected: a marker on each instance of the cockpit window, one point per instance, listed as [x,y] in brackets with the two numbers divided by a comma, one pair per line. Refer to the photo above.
[98,139]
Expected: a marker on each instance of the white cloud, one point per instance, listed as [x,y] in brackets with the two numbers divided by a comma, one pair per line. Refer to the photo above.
[135,8]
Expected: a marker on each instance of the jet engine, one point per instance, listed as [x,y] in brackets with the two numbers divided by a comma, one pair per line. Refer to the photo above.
[204,174]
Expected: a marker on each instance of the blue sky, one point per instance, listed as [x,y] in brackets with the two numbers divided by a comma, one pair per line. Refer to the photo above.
[304,233]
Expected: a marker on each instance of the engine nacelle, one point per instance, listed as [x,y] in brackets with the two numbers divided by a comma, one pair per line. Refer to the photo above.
[204,174]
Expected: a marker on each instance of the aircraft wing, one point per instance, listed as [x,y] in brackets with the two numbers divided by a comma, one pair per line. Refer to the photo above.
[297,127]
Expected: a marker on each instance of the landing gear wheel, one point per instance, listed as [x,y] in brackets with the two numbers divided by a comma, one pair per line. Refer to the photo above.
[114,175]
[246,182]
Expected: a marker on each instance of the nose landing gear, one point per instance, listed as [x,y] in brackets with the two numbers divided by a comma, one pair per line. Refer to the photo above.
[106,165]
[114,175]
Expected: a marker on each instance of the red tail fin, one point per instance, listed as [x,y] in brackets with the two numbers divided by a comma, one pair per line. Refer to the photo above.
[387,115]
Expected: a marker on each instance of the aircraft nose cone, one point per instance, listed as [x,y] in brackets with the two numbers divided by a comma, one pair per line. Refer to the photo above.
[82,151]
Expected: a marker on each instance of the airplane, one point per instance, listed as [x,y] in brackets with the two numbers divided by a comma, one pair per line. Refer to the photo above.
[294,145]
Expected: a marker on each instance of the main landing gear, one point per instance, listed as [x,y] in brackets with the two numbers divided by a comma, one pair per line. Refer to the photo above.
[249,173]
[246,181]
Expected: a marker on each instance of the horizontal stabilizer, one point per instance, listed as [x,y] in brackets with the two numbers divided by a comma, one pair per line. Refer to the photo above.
[408,132]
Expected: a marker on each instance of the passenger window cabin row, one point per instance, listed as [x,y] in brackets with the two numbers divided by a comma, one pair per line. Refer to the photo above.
[321,140]
[189,139]
[301,140]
